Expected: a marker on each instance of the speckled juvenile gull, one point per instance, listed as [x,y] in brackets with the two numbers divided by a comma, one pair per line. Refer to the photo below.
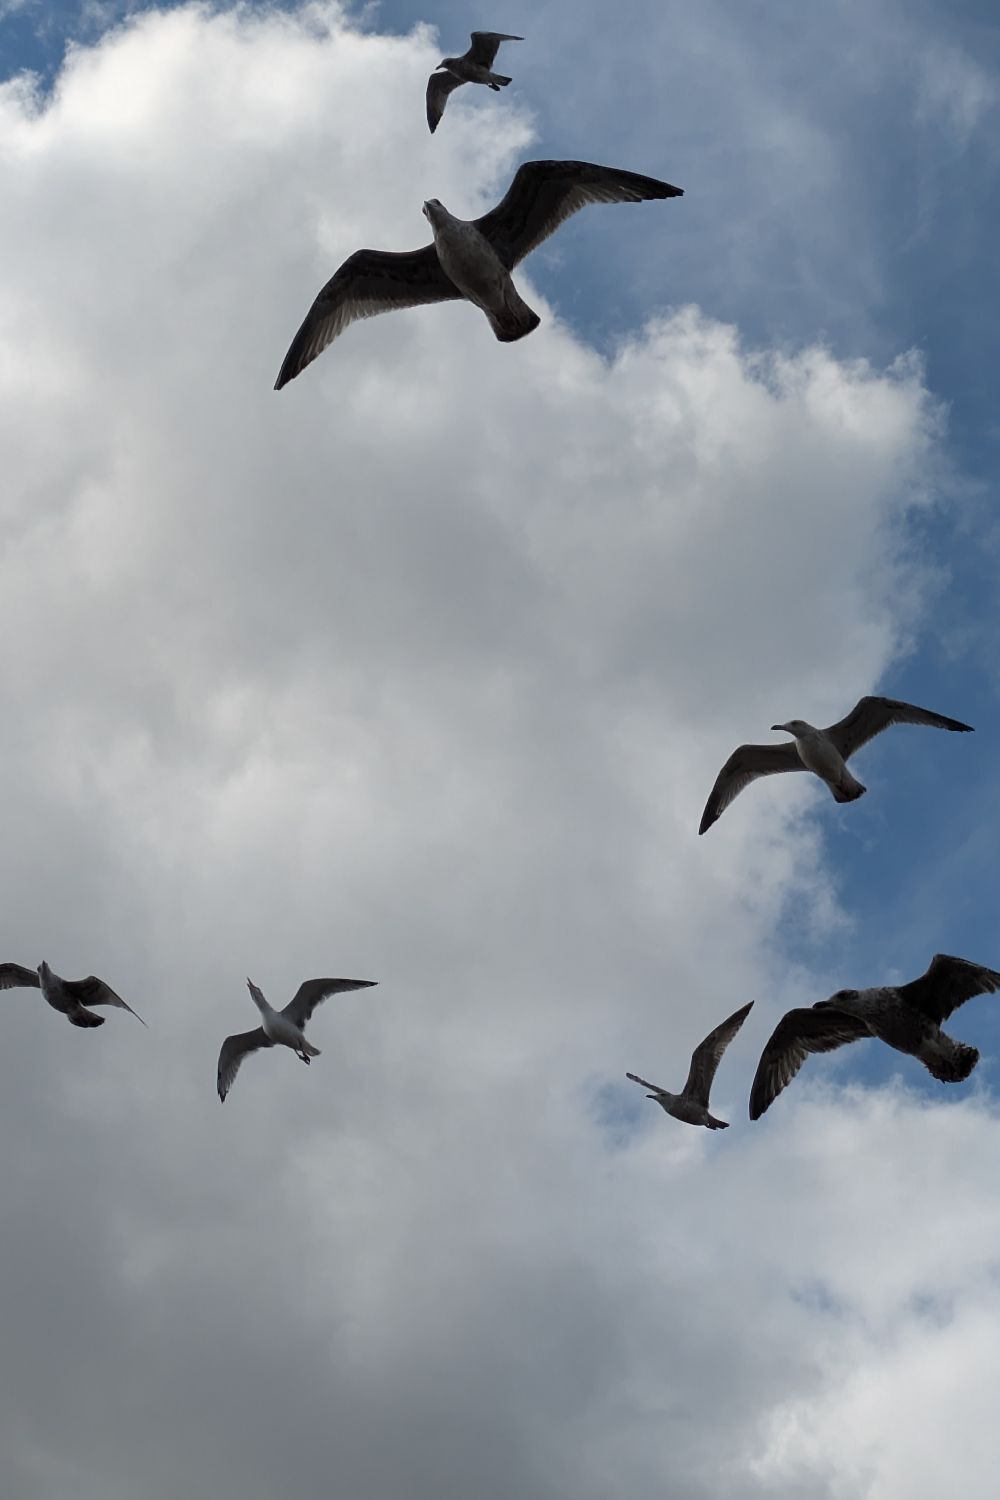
[905,1016]
[823,751]
[69,996]
[470,258]
[473,66]
[285,1028]
[691,1104]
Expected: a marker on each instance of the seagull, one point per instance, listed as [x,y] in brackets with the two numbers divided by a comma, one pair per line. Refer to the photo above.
[905,1016]
[70,996]
[691,1104]
[285,1027]
[824,751]
[470,258]
[472,67]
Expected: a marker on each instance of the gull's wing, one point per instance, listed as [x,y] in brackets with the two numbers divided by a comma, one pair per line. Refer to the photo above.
[871,715]
[544,194]
[646,1085]
[948,983]
[369,282]
[707,1055]
[439,86]
[93,991]
[746,763]
[312,991]
[13,975]
[486,44]
[234,1050]
[798,1033]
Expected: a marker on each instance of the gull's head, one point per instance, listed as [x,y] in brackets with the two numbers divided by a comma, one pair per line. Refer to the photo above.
[794,726]
[435,212]
[44,971]
[842,997]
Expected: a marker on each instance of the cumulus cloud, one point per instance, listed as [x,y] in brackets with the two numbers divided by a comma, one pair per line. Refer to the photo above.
[418,671]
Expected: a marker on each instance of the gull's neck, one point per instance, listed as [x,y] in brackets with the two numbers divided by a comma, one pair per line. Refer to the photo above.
[257,996]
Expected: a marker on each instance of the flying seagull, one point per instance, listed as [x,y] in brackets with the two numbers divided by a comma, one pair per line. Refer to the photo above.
[470,258]
[906,1016]
[824,751]
[280,1027]
[691,1104]
[70,996]
[472,67]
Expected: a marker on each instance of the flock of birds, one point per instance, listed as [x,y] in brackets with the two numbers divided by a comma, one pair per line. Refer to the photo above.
[473,259]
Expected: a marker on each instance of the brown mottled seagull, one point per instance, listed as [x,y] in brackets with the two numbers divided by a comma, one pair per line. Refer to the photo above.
[905,1016]
[284,1028]
[691,1104]
[470,258]
[69,996]
[823,751]
[473,66]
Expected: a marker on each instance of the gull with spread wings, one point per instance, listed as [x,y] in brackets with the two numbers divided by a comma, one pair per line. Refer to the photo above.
[908,1017]
[474,66]
[691,1104]
[285,1028]
[70,997]
[470,258]
[822,751]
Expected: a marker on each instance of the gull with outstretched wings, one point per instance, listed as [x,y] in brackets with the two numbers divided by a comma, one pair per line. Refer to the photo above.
[691,1104]
[822,751]
[70,997]
[907,1017]
[474,66]
[470,258]
[284,1028]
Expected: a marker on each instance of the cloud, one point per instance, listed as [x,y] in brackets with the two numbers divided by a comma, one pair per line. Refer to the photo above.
[418,671]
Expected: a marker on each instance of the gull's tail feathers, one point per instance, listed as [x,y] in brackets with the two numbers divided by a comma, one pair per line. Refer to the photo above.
[86,1018]
[956,1067]
[515,320]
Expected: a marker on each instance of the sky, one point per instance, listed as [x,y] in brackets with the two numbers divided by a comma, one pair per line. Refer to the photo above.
[421,670]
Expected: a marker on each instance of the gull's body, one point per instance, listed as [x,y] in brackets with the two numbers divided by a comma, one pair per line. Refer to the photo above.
[907,1017]
[691,1104]
[469,258]
[474,66]
[280,1028]
[471,263]
[825,752]
[70,997]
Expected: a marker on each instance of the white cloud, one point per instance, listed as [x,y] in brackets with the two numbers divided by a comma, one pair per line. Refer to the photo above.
[419,670]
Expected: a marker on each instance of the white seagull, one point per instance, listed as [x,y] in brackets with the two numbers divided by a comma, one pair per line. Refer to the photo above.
[473,66]
[691,1104]
[905,1016]
[823,751]
[285,1028]
[470,258]
[69,996]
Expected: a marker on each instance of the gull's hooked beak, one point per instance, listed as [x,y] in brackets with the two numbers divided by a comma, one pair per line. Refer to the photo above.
[783,727]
